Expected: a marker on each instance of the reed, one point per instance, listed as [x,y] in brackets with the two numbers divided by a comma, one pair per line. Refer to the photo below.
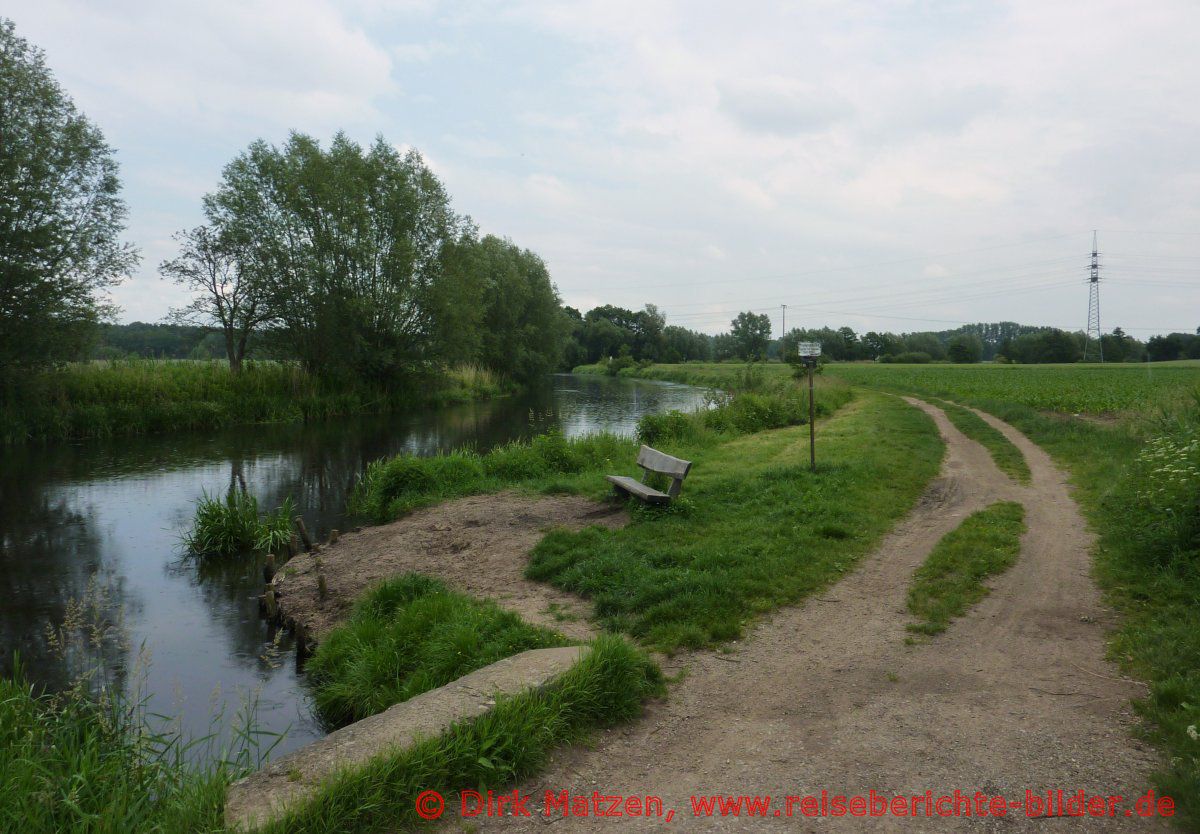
[142,396]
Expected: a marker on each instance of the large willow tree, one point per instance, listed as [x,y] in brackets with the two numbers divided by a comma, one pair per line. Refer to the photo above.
[61,215]
[356,253]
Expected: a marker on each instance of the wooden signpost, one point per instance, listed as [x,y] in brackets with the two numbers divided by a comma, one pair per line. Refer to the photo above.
[809,353]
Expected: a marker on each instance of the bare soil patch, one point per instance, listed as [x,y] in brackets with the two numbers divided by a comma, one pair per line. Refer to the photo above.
[1015,695]
[478,545]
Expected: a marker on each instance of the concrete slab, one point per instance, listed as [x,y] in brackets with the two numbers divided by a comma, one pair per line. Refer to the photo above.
[293,778]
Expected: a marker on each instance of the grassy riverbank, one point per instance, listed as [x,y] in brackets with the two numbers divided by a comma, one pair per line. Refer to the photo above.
[551,463]
[142,396]
[1136,478]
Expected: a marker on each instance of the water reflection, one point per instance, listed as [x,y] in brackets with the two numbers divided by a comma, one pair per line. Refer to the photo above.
[117,507]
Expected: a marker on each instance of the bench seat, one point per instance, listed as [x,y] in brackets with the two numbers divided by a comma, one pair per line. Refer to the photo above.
[638,489]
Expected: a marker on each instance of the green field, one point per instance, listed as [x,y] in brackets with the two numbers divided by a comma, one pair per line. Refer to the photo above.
[1071,389]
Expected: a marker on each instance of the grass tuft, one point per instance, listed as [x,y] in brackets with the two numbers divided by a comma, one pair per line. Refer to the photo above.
[951,580]
[229,526]
[408,636]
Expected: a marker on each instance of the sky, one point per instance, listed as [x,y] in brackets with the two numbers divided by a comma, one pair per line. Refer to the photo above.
[887,165]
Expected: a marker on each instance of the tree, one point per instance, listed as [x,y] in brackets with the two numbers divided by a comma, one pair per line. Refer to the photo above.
[362,261]
[965,348]
[60,214]
[751,333]
[225,295]
[523,329]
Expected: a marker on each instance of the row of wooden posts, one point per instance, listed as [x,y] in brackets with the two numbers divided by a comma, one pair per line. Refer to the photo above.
[270,603]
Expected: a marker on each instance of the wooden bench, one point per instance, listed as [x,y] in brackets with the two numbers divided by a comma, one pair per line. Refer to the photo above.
[652,460]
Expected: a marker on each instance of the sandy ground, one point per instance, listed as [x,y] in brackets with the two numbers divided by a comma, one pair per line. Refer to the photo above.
[1016,695]
[479,545]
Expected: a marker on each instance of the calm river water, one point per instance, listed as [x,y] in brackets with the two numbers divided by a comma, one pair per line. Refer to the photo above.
[109,513]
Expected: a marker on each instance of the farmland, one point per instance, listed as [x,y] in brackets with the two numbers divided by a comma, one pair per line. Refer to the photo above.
[1071,389]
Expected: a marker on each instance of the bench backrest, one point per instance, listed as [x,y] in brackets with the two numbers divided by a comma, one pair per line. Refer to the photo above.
[652,460]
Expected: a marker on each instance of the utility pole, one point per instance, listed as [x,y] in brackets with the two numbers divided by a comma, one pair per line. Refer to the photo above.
[1093,319]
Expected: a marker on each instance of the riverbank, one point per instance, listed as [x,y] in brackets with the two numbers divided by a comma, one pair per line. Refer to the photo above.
[144,396]
[752,530]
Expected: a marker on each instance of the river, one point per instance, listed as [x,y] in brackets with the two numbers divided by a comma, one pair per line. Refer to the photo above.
[100,520]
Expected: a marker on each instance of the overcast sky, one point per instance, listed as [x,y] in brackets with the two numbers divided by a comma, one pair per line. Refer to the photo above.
[890,165]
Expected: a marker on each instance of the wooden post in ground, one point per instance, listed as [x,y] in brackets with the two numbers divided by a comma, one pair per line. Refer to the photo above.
[304,537]
[812,424]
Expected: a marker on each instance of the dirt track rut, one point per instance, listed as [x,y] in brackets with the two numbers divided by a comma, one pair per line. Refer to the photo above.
[826,695]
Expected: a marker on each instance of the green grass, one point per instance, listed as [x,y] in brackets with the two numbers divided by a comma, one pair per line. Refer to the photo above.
[234,525]
[551,463]
[1070,389]
[70,763]
[140,396]
[754,528]
[1136,480]
[1008,457]
[408,636]
[509,743]
[951,579]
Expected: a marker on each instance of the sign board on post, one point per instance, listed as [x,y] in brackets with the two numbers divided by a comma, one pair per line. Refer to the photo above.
[809,352]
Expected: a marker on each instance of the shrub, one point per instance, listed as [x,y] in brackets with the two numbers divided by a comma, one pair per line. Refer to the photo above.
[670,425]
[914,357]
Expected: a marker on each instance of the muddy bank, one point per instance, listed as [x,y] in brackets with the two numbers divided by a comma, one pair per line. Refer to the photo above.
[478,545]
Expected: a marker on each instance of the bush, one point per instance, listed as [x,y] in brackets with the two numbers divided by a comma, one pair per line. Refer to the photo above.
[671,425]
[915,357]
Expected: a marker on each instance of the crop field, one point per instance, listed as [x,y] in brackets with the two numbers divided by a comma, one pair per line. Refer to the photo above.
[1070,389]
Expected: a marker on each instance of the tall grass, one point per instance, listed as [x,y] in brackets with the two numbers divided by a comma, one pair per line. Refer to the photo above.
[509,743]
[407,636]
[141,396]
[232,525]
[70,763]
[391,487]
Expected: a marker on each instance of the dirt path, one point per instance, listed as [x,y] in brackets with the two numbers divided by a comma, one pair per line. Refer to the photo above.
[479,545]
[826,695]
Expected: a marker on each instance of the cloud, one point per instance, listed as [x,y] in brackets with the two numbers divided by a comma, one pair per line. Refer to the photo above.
[780,106]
